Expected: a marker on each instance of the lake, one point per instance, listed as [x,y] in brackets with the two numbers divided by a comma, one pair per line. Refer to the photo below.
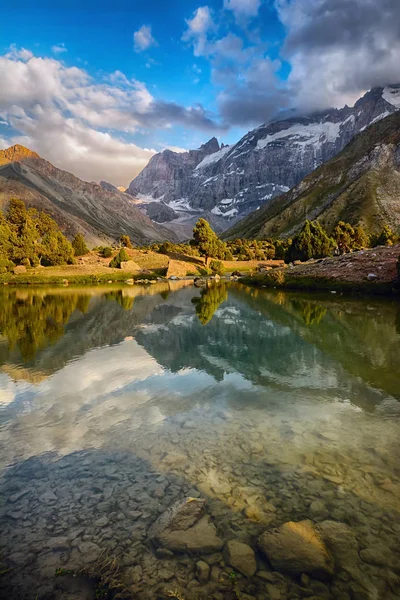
[274,407]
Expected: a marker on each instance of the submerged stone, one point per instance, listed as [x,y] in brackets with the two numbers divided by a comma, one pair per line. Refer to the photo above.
[297,548]
[241,557]
[184,527]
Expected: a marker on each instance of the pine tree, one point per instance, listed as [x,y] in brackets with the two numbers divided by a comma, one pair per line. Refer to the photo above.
[311,242]
[79,245]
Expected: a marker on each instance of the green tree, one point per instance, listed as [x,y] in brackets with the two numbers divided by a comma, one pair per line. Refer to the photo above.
[122,256]
[217,266]
[107,252]
[79,245]
[387,237]
[126,241]
[207,241]
[344,236]
[311,242]
[361,238]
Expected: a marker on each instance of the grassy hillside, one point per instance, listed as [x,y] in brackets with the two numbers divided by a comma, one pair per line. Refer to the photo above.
[360,186]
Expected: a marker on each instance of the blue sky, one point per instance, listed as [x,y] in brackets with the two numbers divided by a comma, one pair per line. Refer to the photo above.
[97,89]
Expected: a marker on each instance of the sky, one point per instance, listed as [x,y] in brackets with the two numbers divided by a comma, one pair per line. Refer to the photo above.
[97,89]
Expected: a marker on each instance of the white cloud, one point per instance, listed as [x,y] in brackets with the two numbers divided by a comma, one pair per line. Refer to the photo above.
[15,53]
[81,124]
[59,49]
[143,39]
[243,8]
[198,28]
[338,49]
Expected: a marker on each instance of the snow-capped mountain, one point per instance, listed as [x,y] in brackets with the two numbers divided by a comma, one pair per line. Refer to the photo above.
[228,182]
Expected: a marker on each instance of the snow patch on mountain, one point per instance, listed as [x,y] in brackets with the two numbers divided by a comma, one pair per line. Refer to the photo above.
[213,158]
[392,95]
[304,135]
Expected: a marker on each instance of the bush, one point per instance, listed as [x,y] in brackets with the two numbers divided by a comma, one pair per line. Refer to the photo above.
[216,266]
[6,265]
[121,257]
[126,241]
[79,245]
[107,252]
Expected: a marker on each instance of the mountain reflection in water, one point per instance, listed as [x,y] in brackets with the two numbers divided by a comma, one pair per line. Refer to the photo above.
[253,398]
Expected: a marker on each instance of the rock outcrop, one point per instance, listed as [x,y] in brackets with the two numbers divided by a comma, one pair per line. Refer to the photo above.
[232,181]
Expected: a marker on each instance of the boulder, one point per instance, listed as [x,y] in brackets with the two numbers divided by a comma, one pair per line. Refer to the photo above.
[241,557]
[177,268]
[297,548]
[341,542]
[200,282]
[19,269]
[203,571]
[184,527]
[130,265]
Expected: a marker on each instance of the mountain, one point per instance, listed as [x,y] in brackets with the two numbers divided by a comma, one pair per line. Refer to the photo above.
[102,215]
[360,186]
[229,182]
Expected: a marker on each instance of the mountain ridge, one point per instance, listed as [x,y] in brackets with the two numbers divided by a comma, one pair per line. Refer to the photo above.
[232,181]
[361,185]
[76,205]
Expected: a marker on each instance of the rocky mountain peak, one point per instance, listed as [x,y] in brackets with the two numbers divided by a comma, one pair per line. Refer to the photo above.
[211,146]
[16,153]
[229,182]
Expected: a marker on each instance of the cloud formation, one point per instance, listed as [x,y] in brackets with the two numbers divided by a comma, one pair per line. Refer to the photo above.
[80,124]
[243,8]
[143,39]
[59,49]
[338,49]
[335,50]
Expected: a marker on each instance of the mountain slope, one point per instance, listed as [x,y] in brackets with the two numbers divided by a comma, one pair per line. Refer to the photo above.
[101,215]
[232,181]
[360,186]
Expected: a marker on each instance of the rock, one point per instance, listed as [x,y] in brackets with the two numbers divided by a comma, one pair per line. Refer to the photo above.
[318,508]
[163,553]
[372,276]
[241,557]
[379,555]
[201,537]
[129,281]
[17,496]
[217,277]
[203,571]
[19,269]
[180,516]
[176,269]
[221,488]
[130,265]
[48,497]
[184,528]
[341,542]
[199,282]
[297,548]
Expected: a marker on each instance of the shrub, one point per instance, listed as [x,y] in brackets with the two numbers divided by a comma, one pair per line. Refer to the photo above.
[126,241]
[79,245]
[122,256]
[311,242]
[107,252]
[216,266]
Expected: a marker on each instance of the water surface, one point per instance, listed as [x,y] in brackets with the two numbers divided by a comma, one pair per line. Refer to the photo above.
[115,402]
